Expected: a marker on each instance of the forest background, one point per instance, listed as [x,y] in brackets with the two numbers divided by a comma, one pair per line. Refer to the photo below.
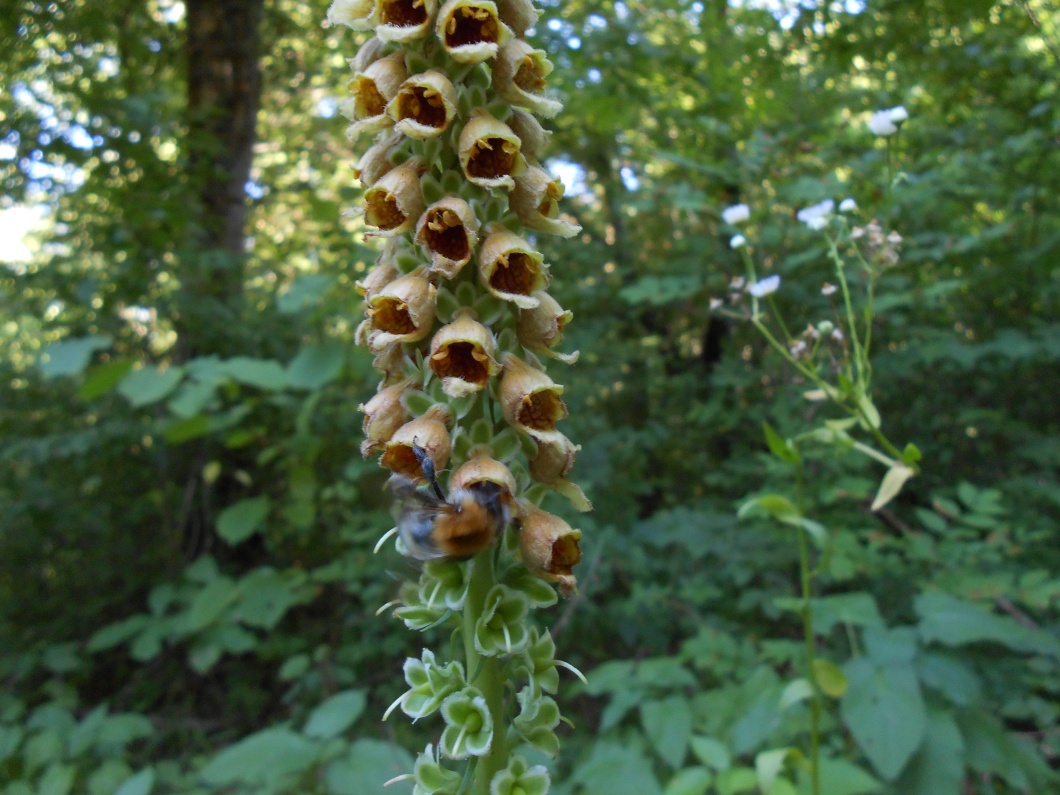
[188,591]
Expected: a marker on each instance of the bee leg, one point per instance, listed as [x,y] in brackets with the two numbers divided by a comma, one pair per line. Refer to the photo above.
[427,468]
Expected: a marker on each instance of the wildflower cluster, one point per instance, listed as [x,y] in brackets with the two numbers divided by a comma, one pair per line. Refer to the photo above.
[459,322]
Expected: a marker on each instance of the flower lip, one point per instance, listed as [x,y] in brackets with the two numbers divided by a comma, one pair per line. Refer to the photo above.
[428,433]
[530,400]
[463,355]
[448,229]
[736,214]
[471,30]
[511,269]
[490,153]
[403,13]
[424,105]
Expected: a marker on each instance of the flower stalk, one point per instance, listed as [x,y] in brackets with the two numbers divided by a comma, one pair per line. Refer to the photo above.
[461,324]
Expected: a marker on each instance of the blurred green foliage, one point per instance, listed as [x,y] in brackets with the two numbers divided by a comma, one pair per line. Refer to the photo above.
[187,584]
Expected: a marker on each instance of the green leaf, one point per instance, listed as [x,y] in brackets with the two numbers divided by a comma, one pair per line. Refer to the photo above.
[265,374]
[891,484]
[58,779]
[140,784]
[186,430]
[795,692]
[829,678]
[108,777]
[938,767]
[869,410]
[885,713]
[711,752]
[104,377]
[294,667]
[690,781]
[993,750]
[911,454]
[668,726]
[858,608]
[780,508]
[316,366]
[781,448]
[366,767]
[305,292]
[768,766]
[242,519]
[335,715]
[261,758]
[616,770]
[953,622]
[149,384]
[71,356]
[209,604]
[840,777]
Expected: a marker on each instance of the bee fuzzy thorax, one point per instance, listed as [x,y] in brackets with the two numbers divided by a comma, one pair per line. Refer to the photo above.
[457,528]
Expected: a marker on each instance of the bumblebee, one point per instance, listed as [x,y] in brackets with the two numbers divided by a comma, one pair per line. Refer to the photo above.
[435,527]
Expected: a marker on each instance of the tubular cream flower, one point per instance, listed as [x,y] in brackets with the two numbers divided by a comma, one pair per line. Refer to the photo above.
[511,269]
[550,546]
[552,464]
[405,20]
[480,469]
[519,76]
[463,354]
[490,152]
[383,415]
[518,15]
[449,231]
[395,202]
[737,241]
[429,433]
[764,287]
[540,328]
[530,401]
[375,162]
[848,205]
[535,200]
[372,89]
[471,30]
[532,136]
[356,14]
[402,311]
[736,214]
[816,217]
[424,106]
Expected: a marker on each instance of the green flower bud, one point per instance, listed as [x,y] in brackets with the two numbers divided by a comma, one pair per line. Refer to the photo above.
[501,627]
[520,779]
[469,725]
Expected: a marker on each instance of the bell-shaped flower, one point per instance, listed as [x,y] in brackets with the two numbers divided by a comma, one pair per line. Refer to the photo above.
[448,230]
[532,136]
[501,626]
[538,717]
[383,415]
[402,311]
[519,76]
[464,355]
[480,469]
[530,401]
[444,583]
[405,20]
[395,202]
[429,433]
[518,778]
[540,328]
[469,725]
[371,90]
[424,105]
[489,152]
[550,546]
[518,15]
[535,200]
[356,14]
[471,30]
[429,685]
[511,268]
[433,779]
[376,162]
[552,464]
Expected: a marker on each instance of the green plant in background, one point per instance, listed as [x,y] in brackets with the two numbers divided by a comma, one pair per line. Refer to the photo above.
[458,320]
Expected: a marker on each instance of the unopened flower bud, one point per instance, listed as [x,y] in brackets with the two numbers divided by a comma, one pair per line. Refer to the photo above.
[448,229]
[372,89]
[489,152]
[402,311]
[424,106]
[535,200]
[471,30]
[540,328]
[511,269]
[405,20]
[355,14]
[519,76]
[389,360]
[550,546]
[395,202]
[379,277]
[430,433]
[552,464]
[463,354]
[532,136]
[518,15]
[481,469]
[530,401]
[375,162]
[383,415]
[371,50]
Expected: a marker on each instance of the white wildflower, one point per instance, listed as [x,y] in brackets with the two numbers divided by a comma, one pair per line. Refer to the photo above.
[816,217]
[886,122]
[798,349]
[736,214]
[898,114]
[738,241]
[828,289]
[716,303]
[837,335]
[764,287]
[848,205]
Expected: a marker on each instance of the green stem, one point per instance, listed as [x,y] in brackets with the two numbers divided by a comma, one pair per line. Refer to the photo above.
[487,673]
[806,584]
